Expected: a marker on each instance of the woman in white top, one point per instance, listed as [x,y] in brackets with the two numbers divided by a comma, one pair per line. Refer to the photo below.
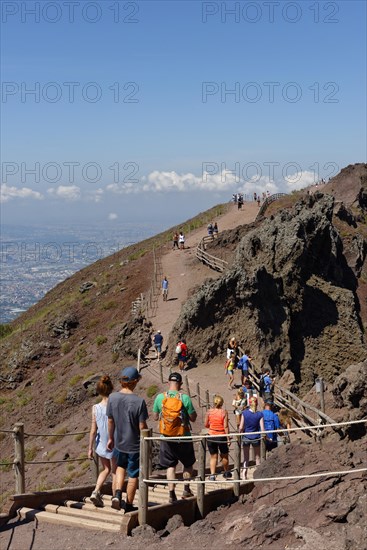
[181,240]
[98,438]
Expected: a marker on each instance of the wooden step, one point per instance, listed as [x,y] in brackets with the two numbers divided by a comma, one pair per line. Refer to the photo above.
[59,519]
[114,516]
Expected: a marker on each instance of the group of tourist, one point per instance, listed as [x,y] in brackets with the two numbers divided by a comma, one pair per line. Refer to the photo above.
[119,417]
[212,230]
[178,240]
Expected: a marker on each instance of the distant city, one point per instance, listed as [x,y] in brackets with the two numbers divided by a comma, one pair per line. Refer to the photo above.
[35,259]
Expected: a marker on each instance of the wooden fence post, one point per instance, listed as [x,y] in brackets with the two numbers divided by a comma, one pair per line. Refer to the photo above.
[207,398]
[262,449]
[237,464]
[198,393]
[187,385]
[144,474]
[161,371]
[200,497]
[139,359]
[19,458]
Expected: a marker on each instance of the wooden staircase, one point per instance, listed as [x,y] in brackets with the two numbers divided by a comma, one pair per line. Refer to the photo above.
[85,515]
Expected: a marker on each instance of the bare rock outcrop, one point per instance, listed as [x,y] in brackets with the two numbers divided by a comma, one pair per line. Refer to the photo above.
[290,297]
[134,335]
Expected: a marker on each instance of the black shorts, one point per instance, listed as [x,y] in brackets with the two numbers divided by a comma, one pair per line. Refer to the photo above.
[170,454]
[219,443]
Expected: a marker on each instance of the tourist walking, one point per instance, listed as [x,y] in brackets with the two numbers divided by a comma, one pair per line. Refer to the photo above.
[165,289]
[285,421]
[175,240]
[216,419]
[239,403]
[158,343]
[181,240]
[266,385]
[175,411]
[127,415]
[252,421]
[244,365]
[271,422]
[229,367]
[98,438]
[182,352]
[215,230]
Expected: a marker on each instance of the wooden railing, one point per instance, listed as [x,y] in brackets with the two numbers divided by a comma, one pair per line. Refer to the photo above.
[212,261]
[267,202]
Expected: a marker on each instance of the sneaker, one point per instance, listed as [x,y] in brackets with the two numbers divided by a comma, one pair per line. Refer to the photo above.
[116,502]
[187,493]
[172,497]
[96,499]
[130,508]
[227,475]
[212,478]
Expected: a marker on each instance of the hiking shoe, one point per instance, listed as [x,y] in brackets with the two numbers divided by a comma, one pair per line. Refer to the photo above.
[172,498]
[227,475]
[212,478]
[187,493]
[96,499]
[116,502]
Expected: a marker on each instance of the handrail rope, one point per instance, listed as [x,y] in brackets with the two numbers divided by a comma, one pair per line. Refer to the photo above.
[234,434]
[56,461]
[56,435]
[233,481]
[6,431]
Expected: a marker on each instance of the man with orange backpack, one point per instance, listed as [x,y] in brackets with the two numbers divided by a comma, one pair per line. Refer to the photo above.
[175,410]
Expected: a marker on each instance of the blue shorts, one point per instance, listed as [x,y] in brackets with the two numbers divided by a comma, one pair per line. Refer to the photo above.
[129,462]
[182,358]
[158,347]
[247,441]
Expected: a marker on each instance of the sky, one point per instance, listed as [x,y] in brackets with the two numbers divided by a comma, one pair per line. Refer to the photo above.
[115,111]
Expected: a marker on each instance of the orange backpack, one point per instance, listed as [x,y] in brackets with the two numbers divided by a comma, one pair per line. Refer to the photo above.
[170,421]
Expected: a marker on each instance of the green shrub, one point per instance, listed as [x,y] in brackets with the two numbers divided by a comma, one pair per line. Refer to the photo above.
[50,376]
[152,390]
[30,453]
[80,354]
[100,340]
[115,356]
[57,436]
[6,464]
[65,347]
[75,379]
[60,398]
[92,323]
[5,330]
[111,304]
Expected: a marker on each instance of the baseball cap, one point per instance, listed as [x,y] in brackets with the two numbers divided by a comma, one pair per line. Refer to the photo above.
[158,331]
[175,377]
[128,374]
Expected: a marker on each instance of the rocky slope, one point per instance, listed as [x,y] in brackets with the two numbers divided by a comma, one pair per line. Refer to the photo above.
[295,292]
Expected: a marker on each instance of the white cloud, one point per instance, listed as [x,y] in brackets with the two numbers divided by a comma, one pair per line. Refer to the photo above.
[112,216]
[298,180]
[66,192]
[96,195]
[8,193]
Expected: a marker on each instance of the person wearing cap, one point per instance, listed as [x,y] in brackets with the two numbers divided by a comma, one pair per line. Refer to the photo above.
[158,341]
[173,452]
[127,415]
[271,422]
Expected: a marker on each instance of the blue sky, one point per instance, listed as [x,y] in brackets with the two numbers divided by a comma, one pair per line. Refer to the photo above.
[152,127]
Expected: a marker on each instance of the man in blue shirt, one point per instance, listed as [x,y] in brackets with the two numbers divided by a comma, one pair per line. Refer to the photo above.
[165,289]
[158,341]
[244,365]
[271,422]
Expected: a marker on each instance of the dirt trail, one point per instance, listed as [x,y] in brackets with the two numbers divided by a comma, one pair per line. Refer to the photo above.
[184,272]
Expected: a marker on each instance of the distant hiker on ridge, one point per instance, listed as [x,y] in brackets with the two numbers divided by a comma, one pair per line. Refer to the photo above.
[165,289]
